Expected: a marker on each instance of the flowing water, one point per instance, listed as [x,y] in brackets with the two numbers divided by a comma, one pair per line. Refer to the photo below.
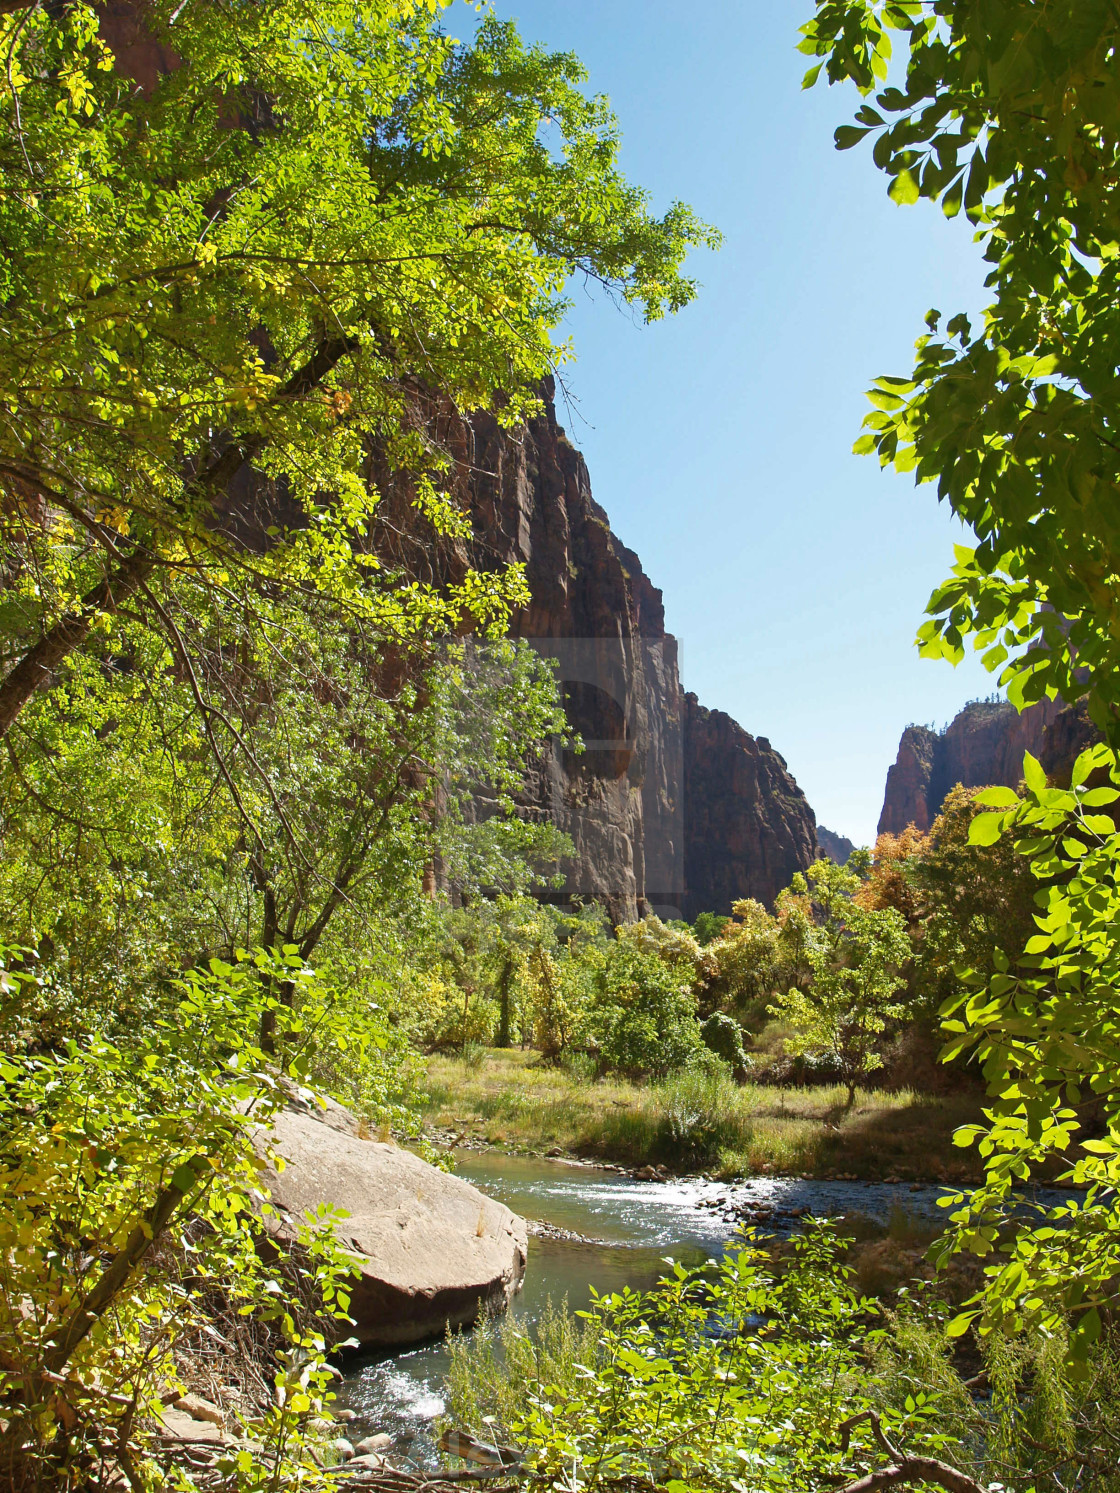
[627,1228]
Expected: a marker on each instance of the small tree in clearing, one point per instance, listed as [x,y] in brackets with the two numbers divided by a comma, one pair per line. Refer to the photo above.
[855,956]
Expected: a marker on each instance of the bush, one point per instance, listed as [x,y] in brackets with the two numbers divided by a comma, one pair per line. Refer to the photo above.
[641,1017]
[724,1036]
[131,1183]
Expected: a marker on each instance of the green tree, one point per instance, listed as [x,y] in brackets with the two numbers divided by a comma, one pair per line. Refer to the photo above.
[856,958]
[641,1014]
[224,273]
[1008,109]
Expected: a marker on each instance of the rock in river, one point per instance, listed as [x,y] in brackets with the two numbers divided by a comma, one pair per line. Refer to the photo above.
[432,1249]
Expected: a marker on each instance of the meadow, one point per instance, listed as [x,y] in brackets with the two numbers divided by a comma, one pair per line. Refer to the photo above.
[696,1121]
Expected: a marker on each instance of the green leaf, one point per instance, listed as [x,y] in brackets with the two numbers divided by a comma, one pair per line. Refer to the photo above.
[184,1178]
[848,135]
[960,1324]
[904,189]
[986,829]
[998,798]
[1094,798]
[1033,775]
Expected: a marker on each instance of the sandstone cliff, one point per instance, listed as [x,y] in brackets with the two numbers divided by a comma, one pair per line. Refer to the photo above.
[671,807]
[983,745]
[747,825]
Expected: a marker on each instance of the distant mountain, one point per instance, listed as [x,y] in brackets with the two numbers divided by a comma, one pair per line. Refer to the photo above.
[982,746]
[837,847]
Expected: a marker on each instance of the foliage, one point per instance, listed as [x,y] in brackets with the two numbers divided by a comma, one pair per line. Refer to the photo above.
[132,1180]
[681,1389]
[888,883]
[490,1370]
[1045,1031]
[249,260]
[640,1018]
[748,961]
[974,899]
[708,926]
[725,1038]
[1009,109]
[855,956]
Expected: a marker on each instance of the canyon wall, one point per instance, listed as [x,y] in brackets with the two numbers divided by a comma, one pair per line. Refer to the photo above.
[671,807]
[982,746]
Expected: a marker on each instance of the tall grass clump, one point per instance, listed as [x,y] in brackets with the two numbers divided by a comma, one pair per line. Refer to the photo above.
[494,1368]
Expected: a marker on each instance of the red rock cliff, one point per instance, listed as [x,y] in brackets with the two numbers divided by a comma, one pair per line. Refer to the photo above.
[671,806]
[982,746]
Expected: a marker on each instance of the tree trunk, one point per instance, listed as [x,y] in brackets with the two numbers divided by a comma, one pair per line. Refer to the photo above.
[38,666]
[505,984]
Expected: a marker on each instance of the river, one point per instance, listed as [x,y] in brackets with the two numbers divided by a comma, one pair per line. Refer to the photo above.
[627,1229]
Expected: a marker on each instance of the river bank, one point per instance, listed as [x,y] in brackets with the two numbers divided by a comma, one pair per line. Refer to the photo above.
[506,1100]
[597,1229]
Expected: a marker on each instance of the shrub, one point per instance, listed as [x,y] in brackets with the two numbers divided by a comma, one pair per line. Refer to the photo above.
[641,1017]
[724,1036]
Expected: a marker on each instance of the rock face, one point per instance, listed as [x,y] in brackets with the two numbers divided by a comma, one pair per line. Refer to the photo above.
[837,847]
[982,746]
[747,825]
[432,1249]
[670,807]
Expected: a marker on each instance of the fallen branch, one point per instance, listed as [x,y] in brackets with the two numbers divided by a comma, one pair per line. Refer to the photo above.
[903,1469]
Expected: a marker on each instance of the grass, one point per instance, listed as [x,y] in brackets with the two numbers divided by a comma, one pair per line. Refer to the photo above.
[699,1122]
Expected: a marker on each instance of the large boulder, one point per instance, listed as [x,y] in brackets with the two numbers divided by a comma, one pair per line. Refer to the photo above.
[433,1250]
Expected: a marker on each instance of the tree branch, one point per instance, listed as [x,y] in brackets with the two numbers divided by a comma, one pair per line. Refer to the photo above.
[903,1469]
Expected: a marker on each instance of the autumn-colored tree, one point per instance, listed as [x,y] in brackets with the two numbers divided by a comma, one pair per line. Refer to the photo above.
[888,883]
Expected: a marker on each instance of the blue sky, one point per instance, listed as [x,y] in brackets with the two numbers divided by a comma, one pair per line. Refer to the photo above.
[795,574]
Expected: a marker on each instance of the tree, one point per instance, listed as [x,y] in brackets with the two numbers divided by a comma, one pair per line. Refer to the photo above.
[855,957]
[1045,1029]
[1008,109]
[235,240]
[641,1014]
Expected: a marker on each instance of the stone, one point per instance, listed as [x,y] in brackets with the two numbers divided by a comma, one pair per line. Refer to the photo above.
[182,1426]
[375,1443]
[343,1448]
[837,847]
[981,747]
[199,1409]
[747,826]
[670,807]
[369,1462]
[432,1250]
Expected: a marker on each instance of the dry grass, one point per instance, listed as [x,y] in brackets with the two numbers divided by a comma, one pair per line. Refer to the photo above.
[699,1122]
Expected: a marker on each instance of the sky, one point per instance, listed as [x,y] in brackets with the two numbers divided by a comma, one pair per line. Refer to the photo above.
[719,441]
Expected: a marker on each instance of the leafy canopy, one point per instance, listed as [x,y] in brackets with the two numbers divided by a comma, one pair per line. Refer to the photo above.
[237,269]
[1009,110]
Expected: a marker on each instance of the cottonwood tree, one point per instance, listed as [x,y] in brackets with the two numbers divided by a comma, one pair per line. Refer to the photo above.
[856,958]
[234,240]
